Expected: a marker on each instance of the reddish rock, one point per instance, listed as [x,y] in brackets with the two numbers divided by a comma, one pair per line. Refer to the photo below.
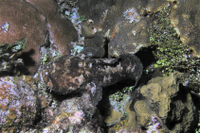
[24,22]
[61,30]
[20,19]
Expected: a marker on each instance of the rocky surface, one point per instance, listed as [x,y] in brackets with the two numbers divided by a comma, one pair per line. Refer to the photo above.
[65,95]
[185,17]
[169,102]
[35,20]
[83,79]
[160,106]
[123,23]
[8,60]
[77,114]
[19,106]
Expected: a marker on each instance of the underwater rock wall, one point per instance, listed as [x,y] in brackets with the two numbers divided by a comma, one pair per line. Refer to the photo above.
[161,106]
[79,80]
[65,93]
[125,23]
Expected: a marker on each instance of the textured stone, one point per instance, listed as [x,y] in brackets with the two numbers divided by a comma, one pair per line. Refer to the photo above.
[162,105]
[185,17]
[77,114]
[33,20]
[164,99]
[61,30]
[123,23]
[18,105]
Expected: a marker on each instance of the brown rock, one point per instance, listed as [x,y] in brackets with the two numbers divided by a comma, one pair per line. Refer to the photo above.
[61,30]
[24,22]
[185,17]
[33,21]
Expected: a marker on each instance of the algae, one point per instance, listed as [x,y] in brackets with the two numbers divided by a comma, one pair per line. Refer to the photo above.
[8,58]
[171,54]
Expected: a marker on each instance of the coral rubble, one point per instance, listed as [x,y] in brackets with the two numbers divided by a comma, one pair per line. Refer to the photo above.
[162,105]
[19,105]
[165,99]
[9,63]
[79,76]
[82,78]
[77,114]
[172,54]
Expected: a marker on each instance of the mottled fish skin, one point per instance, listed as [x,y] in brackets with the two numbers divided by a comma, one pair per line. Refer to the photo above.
[74,73]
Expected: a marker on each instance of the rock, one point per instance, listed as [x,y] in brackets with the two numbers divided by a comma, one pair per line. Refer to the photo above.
[113,19]
[94,9]
[73,76]
[123,23]
[19,106]
[8,61]
[162,105]
[128,38]
[165,100]
[33,20]
[80,79]
[24,21]
[185,17]
[77,114]
[117,110]
[155,5]
[61,30]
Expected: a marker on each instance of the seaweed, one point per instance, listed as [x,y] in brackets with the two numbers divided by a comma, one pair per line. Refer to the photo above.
[8,57]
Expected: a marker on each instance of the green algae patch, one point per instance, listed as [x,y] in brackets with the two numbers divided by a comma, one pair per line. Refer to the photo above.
[18,45]
[171,54]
